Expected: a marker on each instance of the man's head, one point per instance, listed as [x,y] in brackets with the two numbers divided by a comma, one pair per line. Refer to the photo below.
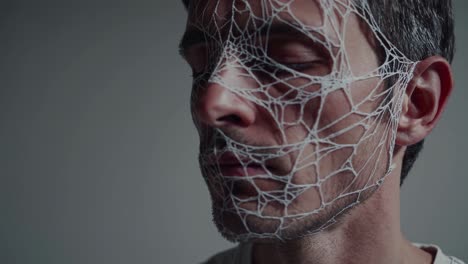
[299,105]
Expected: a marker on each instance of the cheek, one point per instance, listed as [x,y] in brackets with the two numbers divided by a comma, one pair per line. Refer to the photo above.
[335,118]
[339,116]
[366,95]
[321,117]
[345,113]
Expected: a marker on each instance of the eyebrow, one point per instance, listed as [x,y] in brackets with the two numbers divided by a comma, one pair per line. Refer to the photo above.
[195,36]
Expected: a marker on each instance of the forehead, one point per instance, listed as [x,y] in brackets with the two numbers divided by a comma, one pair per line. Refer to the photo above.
[216,15]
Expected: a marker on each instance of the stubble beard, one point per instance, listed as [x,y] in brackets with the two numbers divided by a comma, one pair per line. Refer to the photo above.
[229,221]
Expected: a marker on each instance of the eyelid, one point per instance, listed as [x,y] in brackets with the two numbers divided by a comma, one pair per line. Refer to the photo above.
[296,48]
[301,65]
[317,67]
[291,60]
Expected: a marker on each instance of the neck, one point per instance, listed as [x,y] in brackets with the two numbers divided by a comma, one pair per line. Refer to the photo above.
[369,234]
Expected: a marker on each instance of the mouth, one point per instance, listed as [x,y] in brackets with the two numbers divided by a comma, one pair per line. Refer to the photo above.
[243,177]
[231,165]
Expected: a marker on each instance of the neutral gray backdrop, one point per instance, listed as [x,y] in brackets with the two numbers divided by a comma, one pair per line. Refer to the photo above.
[98,152]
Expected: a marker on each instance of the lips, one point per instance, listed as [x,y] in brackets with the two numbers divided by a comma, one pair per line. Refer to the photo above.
[239,170]
[233,166]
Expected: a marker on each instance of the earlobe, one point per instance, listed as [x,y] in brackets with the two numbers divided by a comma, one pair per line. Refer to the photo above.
[425,99]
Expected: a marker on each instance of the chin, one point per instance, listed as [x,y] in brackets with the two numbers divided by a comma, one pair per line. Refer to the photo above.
[241,225]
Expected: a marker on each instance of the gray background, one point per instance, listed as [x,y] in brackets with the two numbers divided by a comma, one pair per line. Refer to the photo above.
[98,153]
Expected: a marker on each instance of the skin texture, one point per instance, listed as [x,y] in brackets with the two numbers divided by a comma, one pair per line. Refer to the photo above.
[369,232]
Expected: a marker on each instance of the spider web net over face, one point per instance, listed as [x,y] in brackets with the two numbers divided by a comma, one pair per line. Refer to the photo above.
[327,89]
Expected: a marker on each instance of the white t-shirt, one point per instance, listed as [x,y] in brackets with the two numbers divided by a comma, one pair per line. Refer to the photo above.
[242,255]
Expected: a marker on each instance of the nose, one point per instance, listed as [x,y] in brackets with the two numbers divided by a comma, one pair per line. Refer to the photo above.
[219,107]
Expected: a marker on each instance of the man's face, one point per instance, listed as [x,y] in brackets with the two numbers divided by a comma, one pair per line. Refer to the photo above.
[296,124]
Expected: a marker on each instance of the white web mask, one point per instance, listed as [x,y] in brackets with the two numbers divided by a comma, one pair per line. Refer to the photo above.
[325,111]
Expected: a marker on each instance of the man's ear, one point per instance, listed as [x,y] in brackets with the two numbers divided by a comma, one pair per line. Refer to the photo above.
[424,100]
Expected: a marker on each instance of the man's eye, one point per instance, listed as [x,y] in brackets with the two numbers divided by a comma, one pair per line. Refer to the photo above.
[299,55]
[278,69]
[302,66]
[197,59]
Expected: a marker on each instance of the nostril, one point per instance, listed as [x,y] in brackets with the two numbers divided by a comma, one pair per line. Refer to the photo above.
[218,107]
[230,119]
